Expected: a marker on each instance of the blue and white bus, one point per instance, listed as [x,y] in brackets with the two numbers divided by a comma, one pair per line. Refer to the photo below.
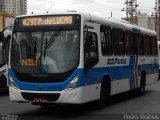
[5,36]
[77,58]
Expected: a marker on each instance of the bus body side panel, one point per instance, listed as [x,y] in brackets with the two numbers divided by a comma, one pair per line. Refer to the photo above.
[150,66]
[117,68]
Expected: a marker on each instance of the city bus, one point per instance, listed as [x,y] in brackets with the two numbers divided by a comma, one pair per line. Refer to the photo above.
[76,58]
[5,36]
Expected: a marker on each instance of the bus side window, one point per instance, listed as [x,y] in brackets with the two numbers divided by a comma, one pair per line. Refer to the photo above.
[118,41]
[141,45]
[147,45]
[129,43]
[90,50]
[106,43]
[139,48]
[154,46]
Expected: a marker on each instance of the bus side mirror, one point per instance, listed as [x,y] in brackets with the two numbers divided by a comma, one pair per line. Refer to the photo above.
[8,37]
[6,41]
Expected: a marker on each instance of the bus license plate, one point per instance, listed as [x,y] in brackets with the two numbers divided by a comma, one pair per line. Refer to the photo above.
[41,100]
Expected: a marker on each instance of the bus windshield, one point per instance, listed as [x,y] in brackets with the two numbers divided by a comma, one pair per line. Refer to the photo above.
[50,51]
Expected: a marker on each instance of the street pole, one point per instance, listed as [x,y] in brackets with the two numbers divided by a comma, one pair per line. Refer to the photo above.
[131,11]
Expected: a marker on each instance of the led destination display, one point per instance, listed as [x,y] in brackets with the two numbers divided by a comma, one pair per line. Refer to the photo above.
[40,21]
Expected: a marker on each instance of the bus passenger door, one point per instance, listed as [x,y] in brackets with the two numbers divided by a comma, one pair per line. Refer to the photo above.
[91,60]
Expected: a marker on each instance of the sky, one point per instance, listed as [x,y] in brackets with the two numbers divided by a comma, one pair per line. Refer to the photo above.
[101,8]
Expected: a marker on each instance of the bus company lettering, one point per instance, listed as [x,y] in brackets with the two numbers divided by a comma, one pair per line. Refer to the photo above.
[116,61]
[30,62]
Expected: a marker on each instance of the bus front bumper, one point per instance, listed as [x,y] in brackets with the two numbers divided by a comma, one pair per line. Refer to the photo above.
[68,97]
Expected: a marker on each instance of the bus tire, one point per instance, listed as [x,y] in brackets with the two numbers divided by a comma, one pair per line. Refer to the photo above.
[104,93]
[141,90]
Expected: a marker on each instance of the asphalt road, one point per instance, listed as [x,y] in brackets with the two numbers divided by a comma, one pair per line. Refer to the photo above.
[119,106]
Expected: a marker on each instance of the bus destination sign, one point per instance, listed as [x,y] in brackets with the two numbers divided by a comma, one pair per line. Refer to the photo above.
[47,20]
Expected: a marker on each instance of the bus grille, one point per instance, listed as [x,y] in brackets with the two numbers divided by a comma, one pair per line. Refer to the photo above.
[48,97]
[42,78]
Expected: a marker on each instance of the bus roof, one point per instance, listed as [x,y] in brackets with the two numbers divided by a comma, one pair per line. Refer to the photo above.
[112,22]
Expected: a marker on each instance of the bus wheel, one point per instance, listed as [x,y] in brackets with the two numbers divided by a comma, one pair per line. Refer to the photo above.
[141,90]
[104,95]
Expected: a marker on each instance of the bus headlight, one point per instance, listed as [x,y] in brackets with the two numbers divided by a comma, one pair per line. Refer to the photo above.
[12,83]
[73,83]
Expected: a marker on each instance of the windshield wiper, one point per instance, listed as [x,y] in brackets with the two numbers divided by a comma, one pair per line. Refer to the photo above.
[49,43]
[52,39]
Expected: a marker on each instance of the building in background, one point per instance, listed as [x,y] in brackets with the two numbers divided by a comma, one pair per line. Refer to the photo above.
[151,22]
[142,20]
[17,7]
[157,17]
[6,20]
[146,21]
[23,7]
[2,5]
